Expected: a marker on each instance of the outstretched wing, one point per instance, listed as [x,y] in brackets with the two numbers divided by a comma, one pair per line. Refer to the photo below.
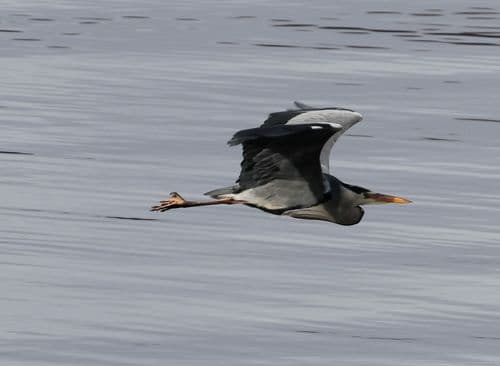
[305,114]
[281,168]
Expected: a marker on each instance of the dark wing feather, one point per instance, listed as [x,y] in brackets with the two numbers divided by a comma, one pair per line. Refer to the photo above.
[288,154]
[272,132]
[280,118]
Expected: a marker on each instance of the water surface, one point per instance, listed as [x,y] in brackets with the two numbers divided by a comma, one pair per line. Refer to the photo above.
[107,106]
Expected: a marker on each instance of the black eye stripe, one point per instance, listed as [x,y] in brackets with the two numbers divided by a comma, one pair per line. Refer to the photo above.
[356,189]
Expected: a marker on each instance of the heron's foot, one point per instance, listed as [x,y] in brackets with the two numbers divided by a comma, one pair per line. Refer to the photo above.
[175,201]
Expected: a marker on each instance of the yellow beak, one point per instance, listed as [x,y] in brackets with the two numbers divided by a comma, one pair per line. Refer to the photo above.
[385,198]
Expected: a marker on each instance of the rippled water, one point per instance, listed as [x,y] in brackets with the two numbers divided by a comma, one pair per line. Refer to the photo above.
[106,106]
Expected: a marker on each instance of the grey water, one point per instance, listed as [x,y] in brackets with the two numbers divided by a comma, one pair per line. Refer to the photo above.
[107,106]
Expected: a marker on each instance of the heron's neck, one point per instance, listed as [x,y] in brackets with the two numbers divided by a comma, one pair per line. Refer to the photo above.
[343,205]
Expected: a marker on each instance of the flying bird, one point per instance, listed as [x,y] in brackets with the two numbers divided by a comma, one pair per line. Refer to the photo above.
[286,169]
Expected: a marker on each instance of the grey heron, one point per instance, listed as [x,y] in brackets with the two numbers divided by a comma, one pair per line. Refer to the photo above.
[285,169]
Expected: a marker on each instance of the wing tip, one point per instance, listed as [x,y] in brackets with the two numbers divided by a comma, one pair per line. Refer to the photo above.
[243,135]
[235,140]
[357,115]
[301,105]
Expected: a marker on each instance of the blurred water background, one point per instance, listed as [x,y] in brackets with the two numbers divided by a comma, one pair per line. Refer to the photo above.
[106,106]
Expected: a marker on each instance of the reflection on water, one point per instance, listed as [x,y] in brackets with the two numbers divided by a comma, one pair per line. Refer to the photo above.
[108,106]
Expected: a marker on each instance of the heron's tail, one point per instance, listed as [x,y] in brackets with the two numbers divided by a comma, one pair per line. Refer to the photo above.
[221,192]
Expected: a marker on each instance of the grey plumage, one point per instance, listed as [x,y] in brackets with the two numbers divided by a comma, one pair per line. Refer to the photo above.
[281,171]
[285,169]
[280,166]
[340,206]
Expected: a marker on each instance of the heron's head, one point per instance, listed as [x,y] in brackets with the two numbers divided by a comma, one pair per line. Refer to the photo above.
[366,197]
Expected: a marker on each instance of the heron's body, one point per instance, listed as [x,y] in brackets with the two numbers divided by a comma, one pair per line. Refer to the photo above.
[285,169]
